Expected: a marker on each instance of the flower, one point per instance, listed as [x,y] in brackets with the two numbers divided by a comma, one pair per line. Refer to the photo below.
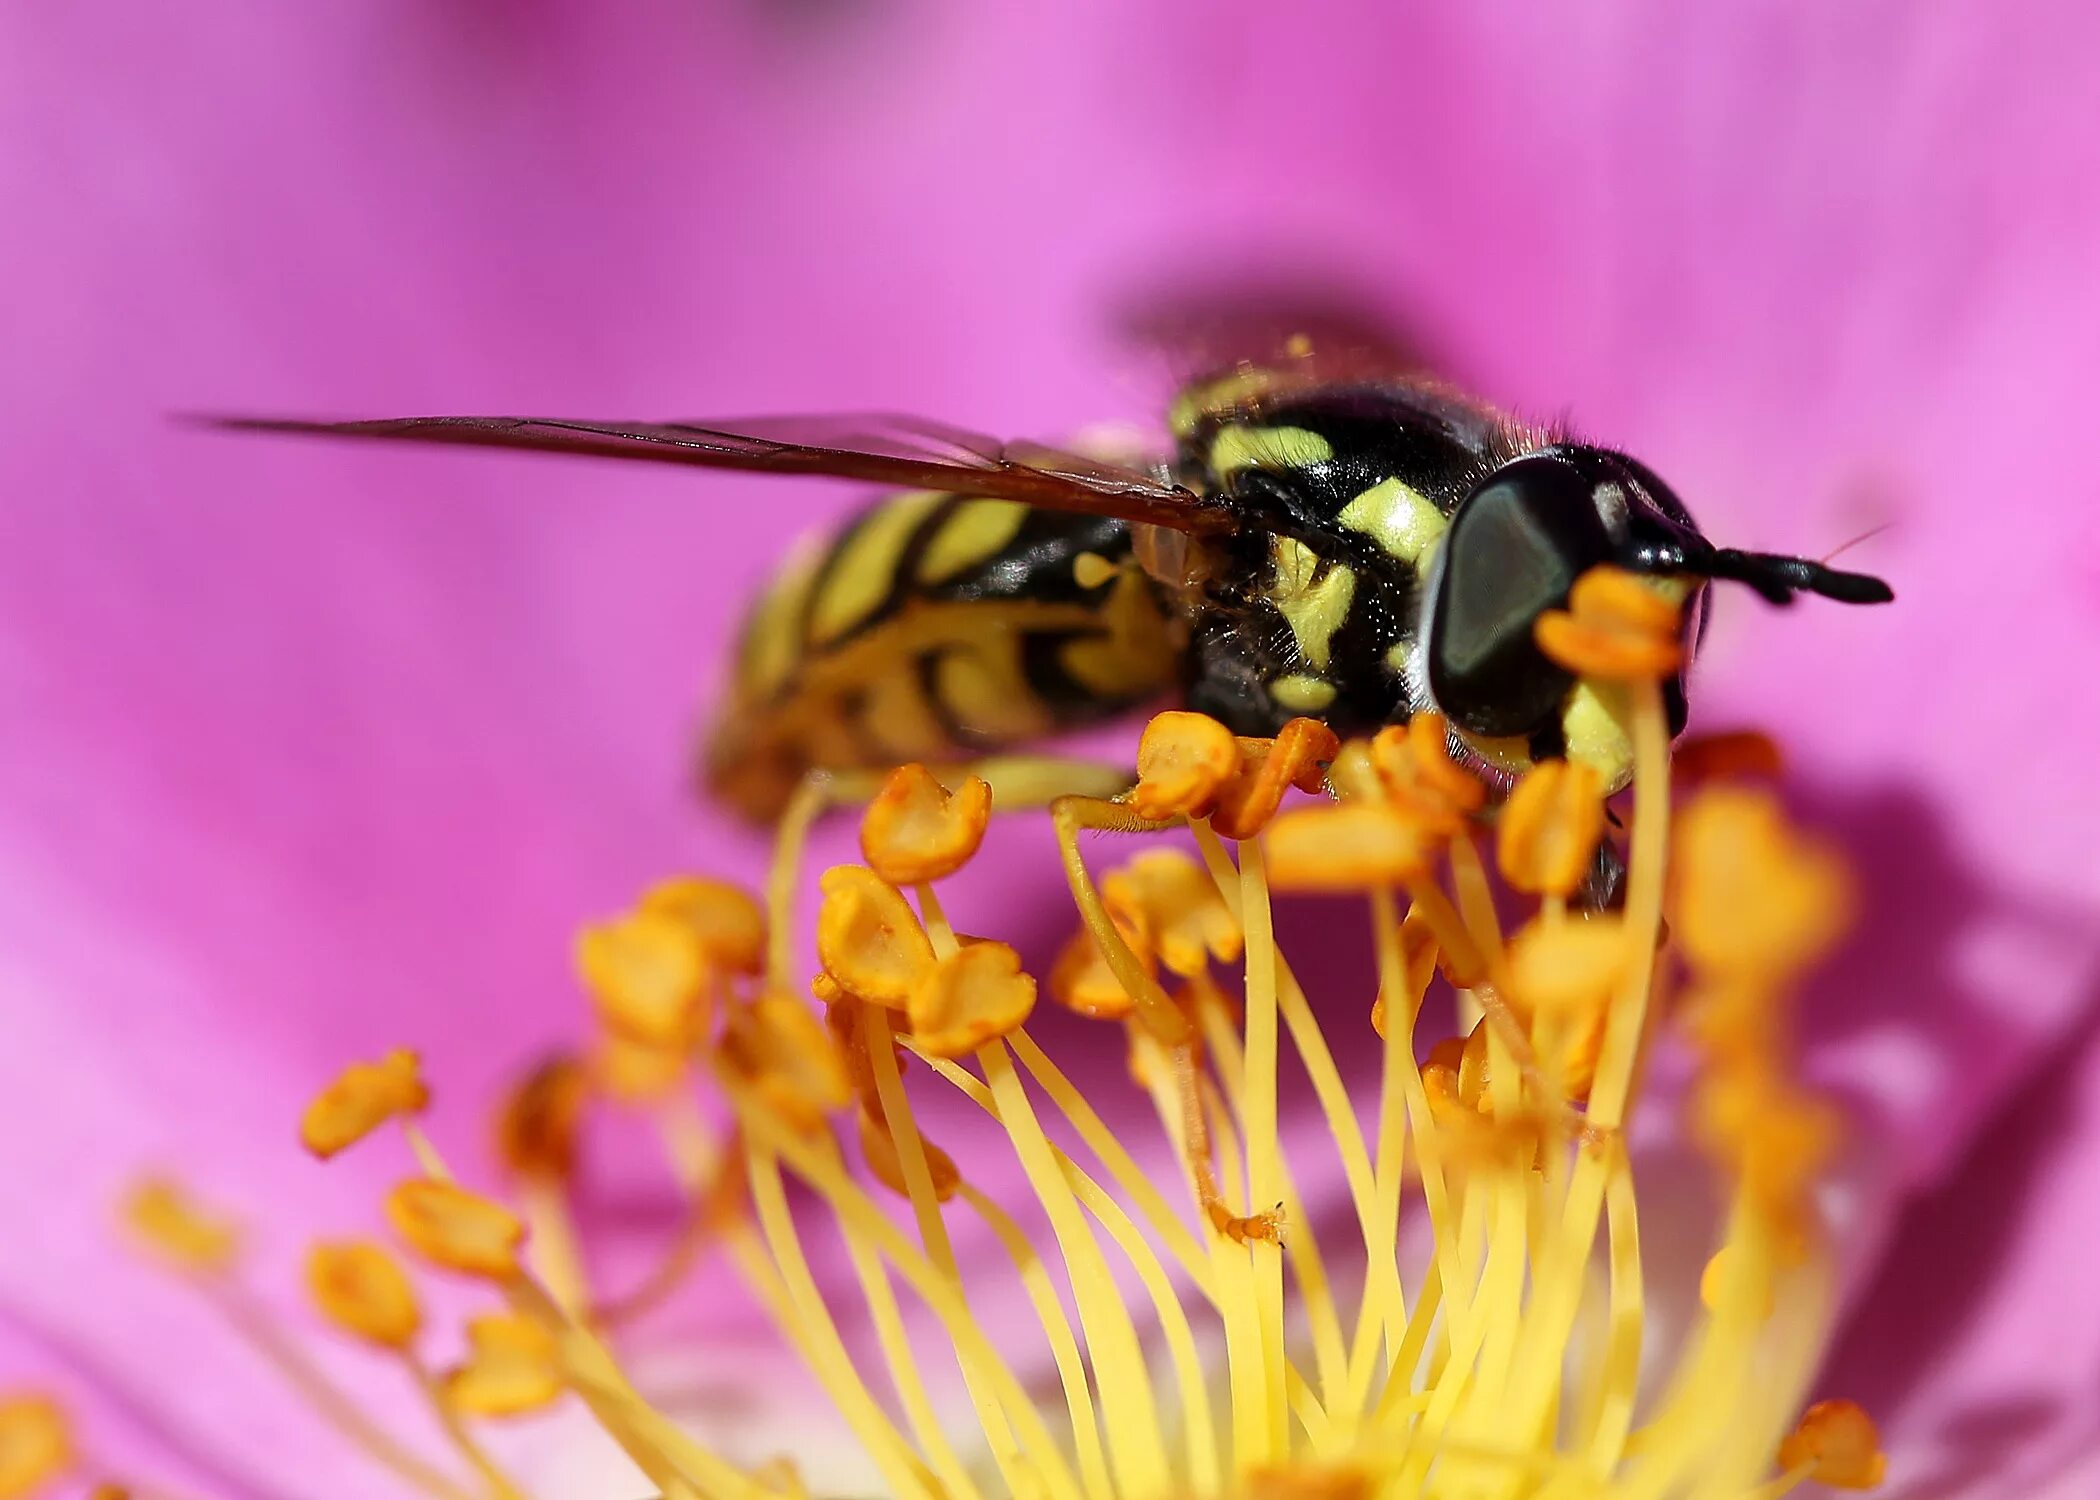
[264,815]
[1487,1354]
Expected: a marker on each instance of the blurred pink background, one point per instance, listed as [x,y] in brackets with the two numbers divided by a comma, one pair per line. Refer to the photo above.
[308,752]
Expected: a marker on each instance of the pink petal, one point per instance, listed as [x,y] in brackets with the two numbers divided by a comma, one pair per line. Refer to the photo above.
[311,753]
[1979,1346]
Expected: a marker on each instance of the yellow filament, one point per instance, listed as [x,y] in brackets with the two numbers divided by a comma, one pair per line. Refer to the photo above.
[1174,1325]
[819,1335]
[1057,1329]
[1265,1185]
[1558,1283]
[1119,1363]
[849,1202]
[1382,1291]
[1300,1246]
[456,1431]
[668,1456]
[335,1406]
[557,1254]
[925,1204]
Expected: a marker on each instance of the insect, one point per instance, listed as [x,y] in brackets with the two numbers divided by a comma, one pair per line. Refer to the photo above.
[1353,548]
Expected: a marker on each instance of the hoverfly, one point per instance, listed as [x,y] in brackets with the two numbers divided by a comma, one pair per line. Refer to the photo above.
[1350,548]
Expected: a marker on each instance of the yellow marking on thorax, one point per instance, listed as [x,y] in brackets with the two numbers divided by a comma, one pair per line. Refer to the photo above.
[1134,654]
[1302,693]
[771,643]
[1193,405]
[1240,447]
[977,531]
[1595,723]
[863,571]
[1314,611]
[1400,519]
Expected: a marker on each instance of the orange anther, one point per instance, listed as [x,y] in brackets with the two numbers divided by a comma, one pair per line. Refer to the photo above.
[916,829]
[1729,754]
[1415,766]
[1353,847]
[725,918]
[1418,960]
[1838,1444]
[537,1120]
[1299,1481]
[790,1058]
[363,1097]
[513,1366]
[1183,760]
[36,1442]
[363,1291]
[1081,979]
[1754,898]
[1567,970]
[1173,900]
[1771,1134]
[1473,1071]
[868,938]
[1440,1079]
[633,1073]
[648,977]
[968,998]
[1616,627]
[1269,768]
[451,1227]
[1550,827]
[1303,750]
[174,1226]
[880,1148]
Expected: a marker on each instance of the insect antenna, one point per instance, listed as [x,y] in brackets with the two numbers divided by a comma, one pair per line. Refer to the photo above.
[1779,578]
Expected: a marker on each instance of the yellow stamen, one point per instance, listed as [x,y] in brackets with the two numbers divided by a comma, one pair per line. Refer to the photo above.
[451,1227]
[868,939]
[648,976]
[1183,761]
[1479,1331]
[178,1229]
[917,830]
[1550,827]
[36,1443]
[1837,1444]
[513,1366]
[363,1097]
[363,1291]
[728,924]
[969,998]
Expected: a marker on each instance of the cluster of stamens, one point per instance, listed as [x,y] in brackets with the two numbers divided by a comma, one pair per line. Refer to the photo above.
[1481,1332]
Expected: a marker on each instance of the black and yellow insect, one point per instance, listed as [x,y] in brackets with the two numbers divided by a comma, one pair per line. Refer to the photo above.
[1349,548]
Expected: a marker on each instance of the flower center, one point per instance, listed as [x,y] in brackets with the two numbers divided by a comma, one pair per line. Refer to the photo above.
[1478,1325]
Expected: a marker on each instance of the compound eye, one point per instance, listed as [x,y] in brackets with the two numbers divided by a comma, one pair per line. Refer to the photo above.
[1514,548]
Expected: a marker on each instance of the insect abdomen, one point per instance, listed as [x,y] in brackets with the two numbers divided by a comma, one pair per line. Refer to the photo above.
[936,627]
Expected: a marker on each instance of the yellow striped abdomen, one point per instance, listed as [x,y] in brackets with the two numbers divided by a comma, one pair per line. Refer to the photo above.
[937,627]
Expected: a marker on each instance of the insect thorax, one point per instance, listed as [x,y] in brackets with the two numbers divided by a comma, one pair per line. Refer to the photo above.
[1345,492]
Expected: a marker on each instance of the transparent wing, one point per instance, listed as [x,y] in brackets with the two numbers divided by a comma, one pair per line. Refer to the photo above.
[879,447]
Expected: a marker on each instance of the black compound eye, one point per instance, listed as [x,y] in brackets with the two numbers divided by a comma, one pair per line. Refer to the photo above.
[1515,547]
